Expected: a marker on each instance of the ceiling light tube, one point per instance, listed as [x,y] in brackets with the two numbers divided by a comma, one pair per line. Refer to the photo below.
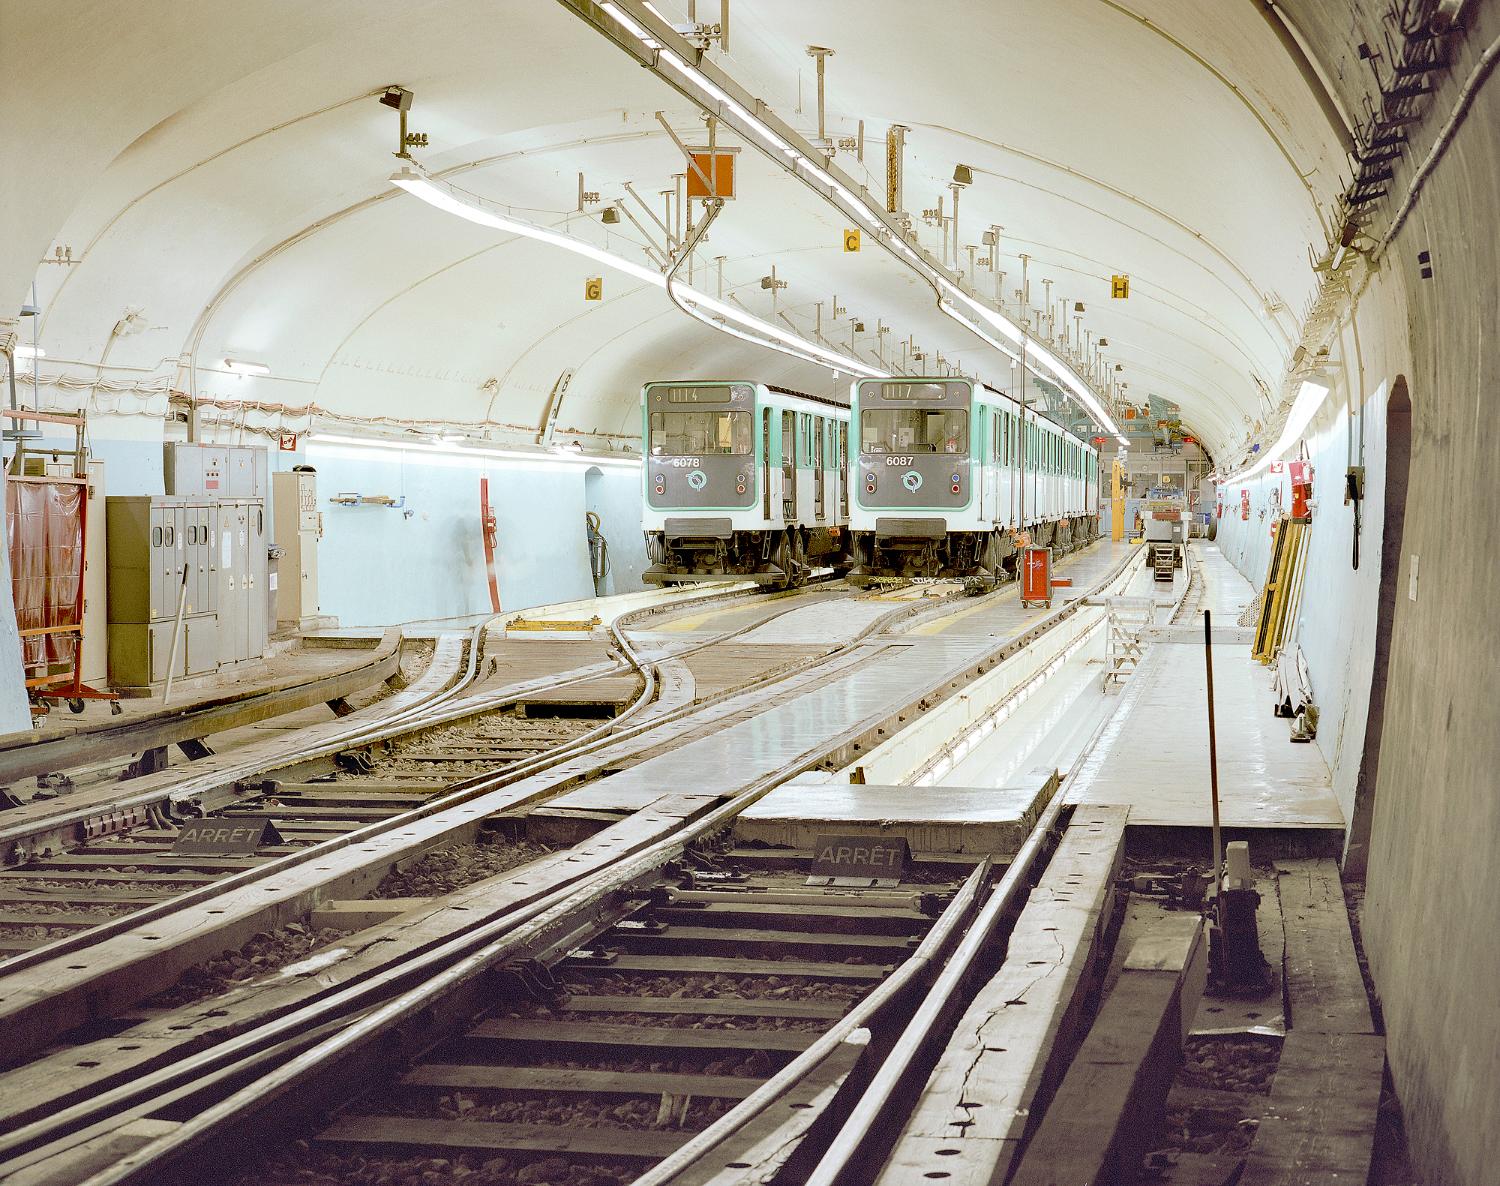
[475,209]
[25,351]
[1309,399]
[551,457]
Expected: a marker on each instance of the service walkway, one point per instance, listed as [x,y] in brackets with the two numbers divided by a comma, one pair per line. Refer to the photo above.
[1153,753]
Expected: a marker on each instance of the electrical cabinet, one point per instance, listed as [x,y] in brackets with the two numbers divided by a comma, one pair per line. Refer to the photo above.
[218,471]
[241,558]
[298,525]
[205,554]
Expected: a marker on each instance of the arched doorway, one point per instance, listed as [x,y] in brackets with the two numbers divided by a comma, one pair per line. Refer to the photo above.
[1392,527]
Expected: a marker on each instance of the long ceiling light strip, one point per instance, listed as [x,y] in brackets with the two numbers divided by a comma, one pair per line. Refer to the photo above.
[803,164]
[556,457]
[471,207]
[1310,397]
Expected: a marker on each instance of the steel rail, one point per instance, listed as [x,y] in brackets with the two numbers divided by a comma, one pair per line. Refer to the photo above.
[456,795]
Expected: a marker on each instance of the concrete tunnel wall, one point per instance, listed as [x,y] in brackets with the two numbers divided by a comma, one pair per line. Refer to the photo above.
[1432,895]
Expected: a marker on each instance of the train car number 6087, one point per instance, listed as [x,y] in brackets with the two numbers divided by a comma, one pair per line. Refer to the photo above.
[898,460]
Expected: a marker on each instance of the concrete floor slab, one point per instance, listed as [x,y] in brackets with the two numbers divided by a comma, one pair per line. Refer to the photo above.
[931,819]
[1153,753]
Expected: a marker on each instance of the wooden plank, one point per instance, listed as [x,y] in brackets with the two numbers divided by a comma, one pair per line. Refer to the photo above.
[360,786]
[809,917]
[1008,1046]
[688,938]
[38,918]
[1319,1126]
[582,1033]
[1324,985]
[708,1006]
[1094,1128]
[92,896]
[704,965]
[291,810]
[549,1079]
[527,1138]
[104,877]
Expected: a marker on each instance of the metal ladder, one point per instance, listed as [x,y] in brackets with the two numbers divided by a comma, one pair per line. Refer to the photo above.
[1163,561]
[1127,621]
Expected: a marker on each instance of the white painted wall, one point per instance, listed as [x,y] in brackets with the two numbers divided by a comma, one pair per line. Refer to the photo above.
[377,567]
[1336,618]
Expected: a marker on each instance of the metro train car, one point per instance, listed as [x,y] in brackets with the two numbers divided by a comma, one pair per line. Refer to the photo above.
[743,480]
[936,465]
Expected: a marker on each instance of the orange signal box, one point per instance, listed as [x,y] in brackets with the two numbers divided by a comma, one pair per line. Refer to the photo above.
[717,165]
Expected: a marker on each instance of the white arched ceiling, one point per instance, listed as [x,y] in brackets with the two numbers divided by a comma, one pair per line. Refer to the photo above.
[252,216]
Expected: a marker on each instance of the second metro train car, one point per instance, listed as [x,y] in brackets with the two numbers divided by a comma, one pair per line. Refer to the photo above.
[938,486]
[743,480]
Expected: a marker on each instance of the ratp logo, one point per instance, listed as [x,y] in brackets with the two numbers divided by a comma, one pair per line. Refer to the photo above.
[912,480]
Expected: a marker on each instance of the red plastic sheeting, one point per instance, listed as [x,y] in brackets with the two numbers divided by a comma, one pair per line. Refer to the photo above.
[44,525]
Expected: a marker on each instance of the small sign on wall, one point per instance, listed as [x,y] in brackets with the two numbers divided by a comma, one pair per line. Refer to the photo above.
[287,442]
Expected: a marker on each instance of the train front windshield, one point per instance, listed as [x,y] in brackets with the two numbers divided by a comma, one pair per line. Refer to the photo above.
[697,433]
[914,430]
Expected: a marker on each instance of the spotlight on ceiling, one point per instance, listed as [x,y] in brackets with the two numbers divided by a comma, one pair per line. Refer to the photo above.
[963,175]
[241,367]
[1078,306]
[609,216]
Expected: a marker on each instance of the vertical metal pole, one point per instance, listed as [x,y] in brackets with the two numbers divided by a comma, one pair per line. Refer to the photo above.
[166,693]
[1213,761]
[1025,382]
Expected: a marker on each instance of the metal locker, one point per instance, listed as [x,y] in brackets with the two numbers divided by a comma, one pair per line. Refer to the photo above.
[255,570]
[200,645]
[230,584]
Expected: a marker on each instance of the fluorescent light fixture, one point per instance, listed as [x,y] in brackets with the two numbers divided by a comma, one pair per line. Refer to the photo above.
[24,351]
[241,367]
[974,329]
[550,457]
[475,209]
[1309,399]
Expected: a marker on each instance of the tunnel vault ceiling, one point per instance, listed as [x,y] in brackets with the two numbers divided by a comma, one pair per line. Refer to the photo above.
[225,176]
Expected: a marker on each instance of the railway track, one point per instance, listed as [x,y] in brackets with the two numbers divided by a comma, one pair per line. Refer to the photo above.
[430,993]
[435,741]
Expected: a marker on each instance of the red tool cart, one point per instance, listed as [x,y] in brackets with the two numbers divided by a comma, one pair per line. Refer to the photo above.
[46,512]
[1037,581]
